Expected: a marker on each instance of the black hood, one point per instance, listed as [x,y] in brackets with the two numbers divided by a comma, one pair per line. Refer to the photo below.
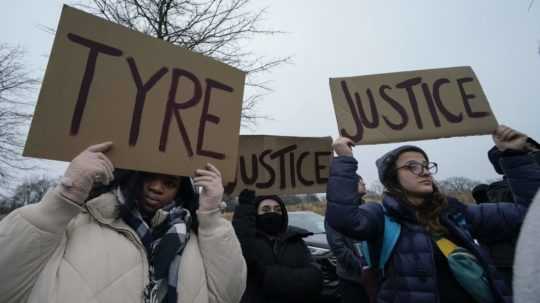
[284,213]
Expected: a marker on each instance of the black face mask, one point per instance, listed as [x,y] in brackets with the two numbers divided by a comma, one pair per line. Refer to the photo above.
[270,223]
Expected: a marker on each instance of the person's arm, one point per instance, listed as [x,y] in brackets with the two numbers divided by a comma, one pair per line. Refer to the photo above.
[280,281]
[344,254]
[492,222]
[363,222]
[495,222]
[245,227]
[226,270]
[513,156]
[30,235]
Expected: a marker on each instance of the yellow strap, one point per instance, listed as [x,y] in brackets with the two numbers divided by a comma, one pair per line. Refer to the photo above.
[446,246]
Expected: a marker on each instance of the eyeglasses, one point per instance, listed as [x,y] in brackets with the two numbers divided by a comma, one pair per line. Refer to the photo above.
[417,168]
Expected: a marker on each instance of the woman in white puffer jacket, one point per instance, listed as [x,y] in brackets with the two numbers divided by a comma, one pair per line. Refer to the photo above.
[138,238]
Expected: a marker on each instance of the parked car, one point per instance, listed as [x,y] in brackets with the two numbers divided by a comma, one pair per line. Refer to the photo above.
[320,250]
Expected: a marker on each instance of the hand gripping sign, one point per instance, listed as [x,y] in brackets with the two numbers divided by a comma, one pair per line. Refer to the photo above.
[405,106]
[166,109]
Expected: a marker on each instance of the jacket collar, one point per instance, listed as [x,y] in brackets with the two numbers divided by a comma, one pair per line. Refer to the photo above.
[398,209]
[105,208]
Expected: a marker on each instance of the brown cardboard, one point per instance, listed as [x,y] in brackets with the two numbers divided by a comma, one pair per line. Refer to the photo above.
[208,97]
[395,107]
[265,165]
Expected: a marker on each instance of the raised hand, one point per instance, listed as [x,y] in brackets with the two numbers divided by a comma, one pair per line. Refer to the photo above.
[209,179]
[89,167]
[508,138]
[246,197]
[343,146]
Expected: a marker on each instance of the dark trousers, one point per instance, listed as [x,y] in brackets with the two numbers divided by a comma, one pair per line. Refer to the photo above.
[352,292]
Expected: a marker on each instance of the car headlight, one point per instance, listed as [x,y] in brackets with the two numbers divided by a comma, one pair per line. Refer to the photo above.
[318,251]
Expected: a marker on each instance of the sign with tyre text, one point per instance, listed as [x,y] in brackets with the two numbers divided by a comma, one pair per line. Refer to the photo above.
[167,109]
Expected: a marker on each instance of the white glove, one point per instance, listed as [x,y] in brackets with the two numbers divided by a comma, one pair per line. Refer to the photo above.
[89,167]
[343,146]
[212,187]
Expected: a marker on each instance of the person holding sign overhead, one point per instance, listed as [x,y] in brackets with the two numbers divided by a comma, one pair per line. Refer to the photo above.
[280,266]
[422,243]
[122,236]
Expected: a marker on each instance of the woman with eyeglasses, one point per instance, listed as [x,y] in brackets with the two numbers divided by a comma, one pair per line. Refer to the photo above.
[435,257]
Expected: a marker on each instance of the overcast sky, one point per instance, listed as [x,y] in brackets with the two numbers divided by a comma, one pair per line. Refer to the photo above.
[499,39]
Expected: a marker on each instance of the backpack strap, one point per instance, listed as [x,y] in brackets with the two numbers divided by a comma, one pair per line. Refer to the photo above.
[364,250]
[446,246]
[459,219]
[392,230]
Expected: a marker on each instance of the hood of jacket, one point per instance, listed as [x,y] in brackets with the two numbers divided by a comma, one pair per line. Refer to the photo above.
[284,213]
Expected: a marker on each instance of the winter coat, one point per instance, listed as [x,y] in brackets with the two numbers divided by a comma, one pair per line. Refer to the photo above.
[349,258]
[57,251]
[502,253]
[279,270]
[410,275]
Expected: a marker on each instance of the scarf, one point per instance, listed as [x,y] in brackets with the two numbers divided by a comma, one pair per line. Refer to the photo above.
[164,243]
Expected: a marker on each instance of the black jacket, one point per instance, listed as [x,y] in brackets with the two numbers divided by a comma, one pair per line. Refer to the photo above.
[280,270]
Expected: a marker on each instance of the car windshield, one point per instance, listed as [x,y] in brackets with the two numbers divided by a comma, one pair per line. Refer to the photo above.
[309,221]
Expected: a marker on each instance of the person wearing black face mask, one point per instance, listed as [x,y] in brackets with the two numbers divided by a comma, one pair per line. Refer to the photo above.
[280,266]
[270,223]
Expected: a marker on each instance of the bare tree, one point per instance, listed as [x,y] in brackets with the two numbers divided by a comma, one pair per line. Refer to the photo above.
[457,185]
[31,191]
[215,28]
[15,84]
[4,207]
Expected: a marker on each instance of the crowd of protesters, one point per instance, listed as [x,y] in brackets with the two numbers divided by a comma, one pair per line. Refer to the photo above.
[106,235]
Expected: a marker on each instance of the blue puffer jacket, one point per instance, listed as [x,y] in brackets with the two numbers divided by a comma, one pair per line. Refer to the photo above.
[410,273]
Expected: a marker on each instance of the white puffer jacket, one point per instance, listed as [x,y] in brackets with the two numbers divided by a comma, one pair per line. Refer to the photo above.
[56,251]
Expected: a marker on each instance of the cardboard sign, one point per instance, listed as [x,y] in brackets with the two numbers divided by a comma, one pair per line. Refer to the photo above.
[166,109]
[282,165]
[415,105]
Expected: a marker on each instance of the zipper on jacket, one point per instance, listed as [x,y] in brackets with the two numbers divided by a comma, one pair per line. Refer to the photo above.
[275,248]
